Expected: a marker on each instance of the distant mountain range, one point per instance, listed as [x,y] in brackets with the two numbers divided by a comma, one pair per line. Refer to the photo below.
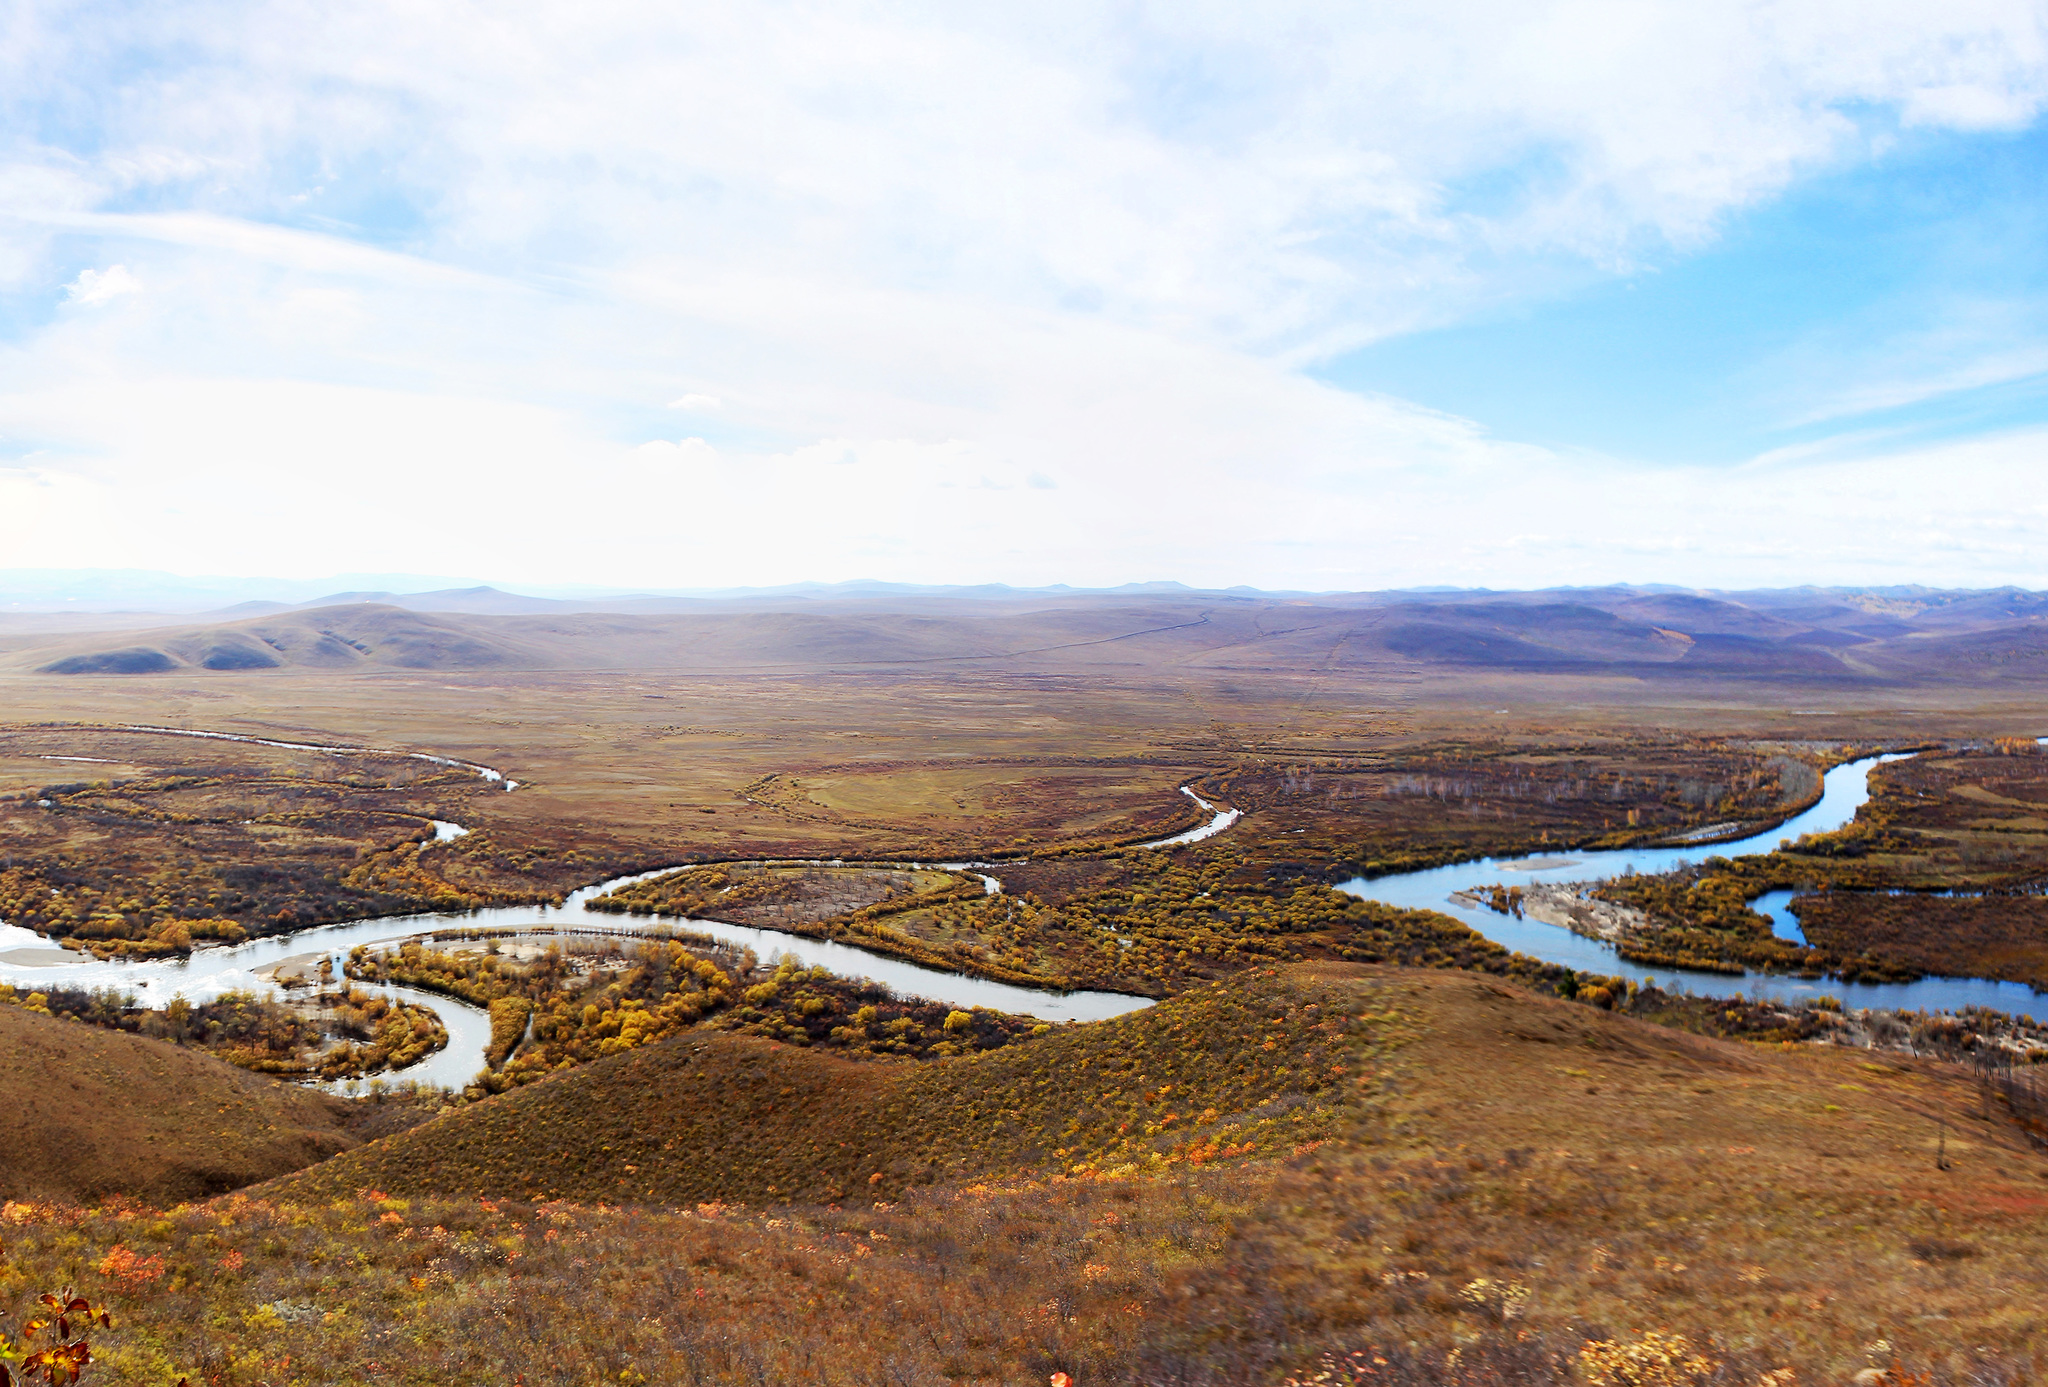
[1831,636]
[147,593]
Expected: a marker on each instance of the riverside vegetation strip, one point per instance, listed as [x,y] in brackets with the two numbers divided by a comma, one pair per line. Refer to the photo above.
[591,997]
[1971,820]
[330,1035]
[1143,921]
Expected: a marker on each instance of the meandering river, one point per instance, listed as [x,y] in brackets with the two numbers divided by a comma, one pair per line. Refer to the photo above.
[30,961]
[1845,789]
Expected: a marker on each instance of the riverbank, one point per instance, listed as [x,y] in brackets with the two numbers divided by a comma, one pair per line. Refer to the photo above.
[1161,919]
[1456,890]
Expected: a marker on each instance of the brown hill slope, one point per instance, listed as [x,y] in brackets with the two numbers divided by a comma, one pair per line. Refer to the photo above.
[1248,1065]
[94,1112]
[1259,1064]
[335,638]
[1516,1181]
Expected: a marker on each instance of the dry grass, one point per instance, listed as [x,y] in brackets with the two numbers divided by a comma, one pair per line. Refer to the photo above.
[1987,937]
[1219,1073]
[98,1112]
[1469,1214]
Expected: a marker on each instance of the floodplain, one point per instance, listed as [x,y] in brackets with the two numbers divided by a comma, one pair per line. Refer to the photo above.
[1348,1138]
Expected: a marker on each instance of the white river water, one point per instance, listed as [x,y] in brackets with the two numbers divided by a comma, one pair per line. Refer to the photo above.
[28,960]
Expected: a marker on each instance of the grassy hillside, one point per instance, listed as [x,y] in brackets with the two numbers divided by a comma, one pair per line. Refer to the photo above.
[96,1112]
[1520,1182]
[1253,1065]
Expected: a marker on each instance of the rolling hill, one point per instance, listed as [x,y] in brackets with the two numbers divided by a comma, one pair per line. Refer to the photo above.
[709,1115]
[94,1112]
[1457,1179]
[1797,637]
[1301,1159]
[326,638]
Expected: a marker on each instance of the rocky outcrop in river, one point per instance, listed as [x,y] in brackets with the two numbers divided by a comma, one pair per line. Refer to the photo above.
[1565,904]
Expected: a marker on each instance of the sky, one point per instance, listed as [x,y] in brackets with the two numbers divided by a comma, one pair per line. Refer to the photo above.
[1299,294]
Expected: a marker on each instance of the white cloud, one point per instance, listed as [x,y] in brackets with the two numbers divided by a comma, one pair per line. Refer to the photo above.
[662,453]
[1299,172]
[95,287]
[916,265]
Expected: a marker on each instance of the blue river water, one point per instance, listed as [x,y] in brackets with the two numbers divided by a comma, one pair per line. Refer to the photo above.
[28,960]
[1845,789]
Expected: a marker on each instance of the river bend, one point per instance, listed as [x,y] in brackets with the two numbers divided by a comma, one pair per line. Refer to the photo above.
[1844,790]
[29,961]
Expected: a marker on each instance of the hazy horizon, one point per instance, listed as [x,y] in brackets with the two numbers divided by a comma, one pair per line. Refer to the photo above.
[113,591]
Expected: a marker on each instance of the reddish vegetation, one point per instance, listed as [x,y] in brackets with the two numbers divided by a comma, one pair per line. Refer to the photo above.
[1986,936]
[216,848]
[1732,1212]
[1402,810]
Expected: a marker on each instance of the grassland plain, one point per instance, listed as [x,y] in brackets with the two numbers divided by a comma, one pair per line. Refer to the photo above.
[267,840]
[663,758]
[1481,1184]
